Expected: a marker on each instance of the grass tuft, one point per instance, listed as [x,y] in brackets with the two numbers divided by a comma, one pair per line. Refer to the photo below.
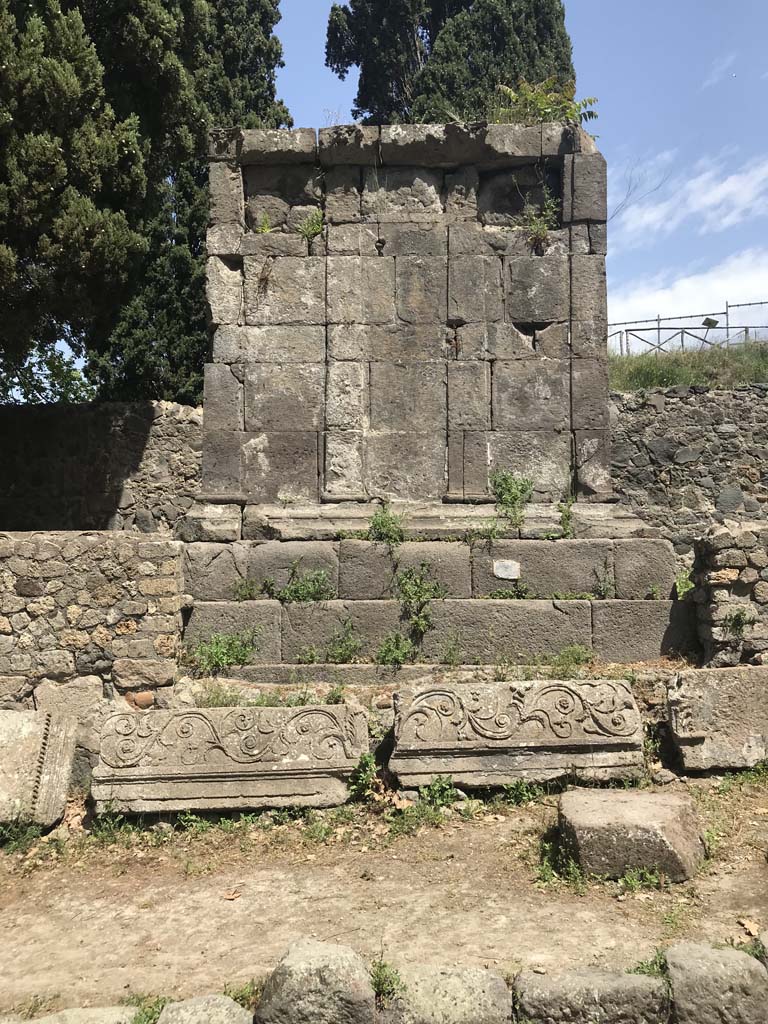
[714,368]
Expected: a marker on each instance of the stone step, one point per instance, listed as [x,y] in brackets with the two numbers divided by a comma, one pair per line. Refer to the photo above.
[465,631]
[357,570]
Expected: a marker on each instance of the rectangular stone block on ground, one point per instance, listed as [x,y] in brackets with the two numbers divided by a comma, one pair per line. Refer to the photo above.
[629,631]
[36,756]
[588,995]
[310,627]
[719,717]
[228,758]
[485,631]
[546,567]
[489,734]
[262,618]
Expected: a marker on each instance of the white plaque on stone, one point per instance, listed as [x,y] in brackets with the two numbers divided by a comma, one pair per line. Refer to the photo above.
[506,569]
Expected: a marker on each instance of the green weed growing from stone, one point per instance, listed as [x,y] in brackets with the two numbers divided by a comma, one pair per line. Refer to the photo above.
[312,226]
[395,650]
[605,588]
[222,650]
[573,595]
[386,983]
[565,508]
[735,623]
[362,781]
[246,590]
[512,494]
[451,654]
[415,590]
[440,792]
[638,879]
[386,527]
[655,967]
[148,1008]
[517,591]
[301,588]
[538,219]
[684,584]
[344,647]
[555,865]
[247,995]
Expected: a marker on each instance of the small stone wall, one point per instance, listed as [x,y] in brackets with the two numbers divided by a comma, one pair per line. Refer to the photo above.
[85,617]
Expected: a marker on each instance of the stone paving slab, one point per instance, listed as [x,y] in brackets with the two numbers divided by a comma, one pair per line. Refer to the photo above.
[36,756]
[491,734]
[221,758]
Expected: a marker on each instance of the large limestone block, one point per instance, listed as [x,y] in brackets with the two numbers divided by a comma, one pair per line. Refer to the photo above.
[544,456]
[546,567]
[492,733]
[213,571]
[716,986]
[589,996]
[423,343]
[286,290]
[224,290]
[588,288]
[205,1010]
[455,995]
[216,524]
[644,567]
[407,464]
[311,627]
[531,394]
[343,471]
[422,289]
[402,195]
[231,618]
[589,386]
[225,186]
[611,832]
[469,395]
[719,717]
[278,146]
[629,631]
[284,397]
[412,239]
[318,983]
[348,144]
[408,394]
[223,404]
[368,571]
[276,344]
[538,288]
[36,755]
[280,466]
[475,289]
[218,758]
[361,290]
[279,560]
[343,191]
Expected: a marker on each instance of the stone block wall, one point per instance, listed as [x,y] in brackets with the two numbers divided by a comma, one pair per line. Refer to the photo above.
[420,338]
[87,616]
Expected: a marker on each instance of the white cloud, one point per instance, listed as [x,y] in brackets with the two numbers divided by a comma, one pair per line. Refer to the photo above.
[717,194]
[719,69]
[742,277]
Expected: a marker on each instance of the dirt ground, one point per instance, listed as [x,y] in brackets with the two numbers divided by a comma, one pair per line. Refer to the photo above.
[89,922]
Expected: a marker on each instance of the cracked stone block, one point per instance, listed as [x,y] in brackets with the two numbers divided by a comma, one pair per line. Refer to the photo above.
[272,243]
[588,995]
[213,571]
[716,986]
[489,734]
[421,288]
[531,394]
[280,466]
[275,560]
[280,395]
[37,752]
[221,758]
[361,289]
[567,567]
[223,405]
[343,195]
[543,456]
[231,618]
[346,399]
[318,983]
[225,189]
[611,833]
[461,188]
[224,240]
[475,291]
[402,195]
[413,239]
[469,396]
[643,568]
[224,290]
[537,288]
[311,627]
[593,464]
[353,240]
[404,464]
[280,344]
[719,717]
[589,387]
[408,393]
[208,522]
[630,631]
[285,290]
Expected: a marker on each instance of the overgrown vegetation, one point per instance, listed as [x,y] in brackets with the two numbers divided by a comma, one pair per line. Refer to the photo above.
[312,225]
[395,650]
[386,527]
[148,1008]
[516,591]
[18,836]
[715,368]
[684,584]
[343,648]
[512,494]
[222,650]
[362,781]
[301,588]
[218,695]
[540,103]
[247,995]
[655,967]
[538,219]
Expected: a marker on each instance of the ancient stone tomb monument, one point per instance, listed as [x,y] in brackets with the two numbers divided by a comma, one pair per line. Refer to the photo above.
[392,321]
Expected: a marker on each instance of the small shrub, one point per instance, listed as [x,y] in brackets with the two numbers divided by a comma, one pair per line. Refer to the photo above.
[246,590]
[539,103]
[395,650]
[735,623]
[655,967]
[565,508]
[386,527]
[605,588]
[148,1008]
[386,983]
[301,588]
[512,494]
[571,658]
[264,227]
[451,654]
[441,792]
[684,584]
[556,865]
[517,591]
[637,879]
[336,694]
[247,995]
[216,695]
[223,650]
[415,590]
[19,836]
[308,656]
[573,595]
[362,781]
[521,792]
[539,219]
[343,647]
[312,226]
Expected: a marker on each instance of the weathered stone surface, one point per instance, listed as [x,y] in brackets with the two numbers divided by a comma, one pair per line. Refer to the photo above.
[261,619]
[587,996]
[361,290]
[398,389]
[143,673]
[221,463]
[309,628]
[719,717]
[89,1015]
[644,568]
[589,388]
[544,456]
[716,986]
[348,144]
[402,195]
[272,243]
[475,289]
[413,239]
[346,395]
[344,476]
[405,465]
[205,1010]
[389,342]
[590,187]
[207,522]
[271,344]
[546,567]
[368,571]
[593,464]
[422,291]
[36,755]
[223,398]
[285,290]
[610,833]
[212,571]
[492,733]
[318,983]
[225,757]
[537,288]
[277,561]
[278,146]
[343,195]
[469,395]
[588,288]
[455,995]
[225,186]
[280,465]
[280,397]
[531,394]
[353,240]
[224,290]
[628,631]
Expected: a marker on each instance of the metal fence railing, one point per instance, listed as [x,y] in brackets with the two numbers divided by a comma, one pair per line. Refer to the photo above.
[689,333]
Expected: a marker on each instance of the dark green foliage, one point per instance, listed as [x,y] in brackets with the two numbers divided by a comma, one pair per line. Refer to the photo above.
[301,588]
[437,60]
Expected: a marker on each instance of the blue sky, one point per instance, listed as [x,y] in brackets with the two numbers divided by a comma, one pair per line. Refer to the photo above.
[683,96]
